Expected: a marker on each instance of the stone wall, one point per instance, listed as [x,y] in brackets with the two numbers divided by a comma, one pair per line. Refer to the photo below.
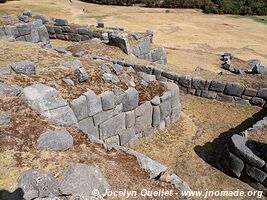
[116,118]
[211,89]
[33,31]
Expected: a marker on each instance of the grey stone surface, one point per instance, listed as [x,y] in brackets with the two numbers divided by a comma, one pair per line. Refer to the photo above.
[120,39]
[41,97]
[117,110]
[198,83]
[225,98]
[130,119]
[9,90]
[27,13]
[82,179]
[114,140]
[12,31]
[74,64]
[80,54]
[87,126]
[147,77]
[58,140]
[36,183]
[119,95]
[179,183]
[156,116]
[61,22]
[81,74]
[234,89]
[5,70]
[118,69]
[217,86]
[94,104]
[4,118]
[155,101]
[102,117]
[62,116]
[112,126]
[68,81]
[257,101]
[166,96]
[126,135]
[24,28]
[165,109]
[79,107]
[143,114]
[232,163]
[105,68]
[255,173]
[262,93]
[209,94]
[23,67]
[250,92]
[108,100]
[240,146]
[130,100]
[185,81]
[154,168]
[44,18]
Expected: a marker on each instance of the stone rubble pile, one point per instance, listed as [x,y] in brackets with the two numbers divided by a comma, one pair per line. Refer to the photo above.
[255,66]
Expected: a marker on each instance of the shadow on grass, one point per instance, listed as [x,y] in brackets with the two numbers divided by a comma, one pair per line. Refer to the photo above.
[210,151]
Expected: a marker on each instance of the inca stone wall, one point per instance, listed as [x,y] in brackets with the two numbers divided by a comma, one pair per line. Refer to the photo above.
[246,159]
[211,89]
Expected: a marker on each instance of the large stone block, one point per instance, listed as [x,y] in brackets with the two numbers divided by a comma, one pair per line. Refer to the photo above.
[143,115]
[217,86]
[185,81]
[209,94]
[112,126]
[156,116]
[262,93]
[120,39]
[108,100]
[12,31]
[79,107]
[126,135]
[250,92]
[94,104]
[63,116]
[41,98]
[234,89]
[43,35]
[114,140]
[102,116]
[61,22]
[165,109]
[257,101]
[88,127]
[241,147]
[74,37]
[130,119]
[24,29]
[255,173]
[198,83]
[130,100]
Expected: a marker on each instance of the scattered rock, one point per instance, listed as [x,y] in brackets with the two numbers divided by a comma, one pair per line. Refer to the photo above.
[9,90]
[24,67]
[81,74]
[68,81]
[105,68]
[4,118]
[44,18]
[61,50]
[36,183]
[74,64]
[5,70]
[83,180]
[80,54]
[59,140]
[118,69]
[27,13]
[147,77]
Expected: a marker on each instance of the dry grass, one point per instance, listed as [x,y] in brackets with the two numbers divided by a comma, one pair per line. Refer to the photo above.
[190,147]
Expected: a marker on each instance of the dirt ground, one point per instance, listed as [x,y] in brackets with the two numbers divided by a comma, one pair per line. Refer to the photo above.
[192,144]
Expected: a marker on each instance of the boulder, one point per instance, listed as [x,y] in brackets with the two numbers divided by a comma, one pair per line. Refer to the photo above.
[27,13]
[179,183]
[108,100]
[74,64]
[81,74]
[41,97]
[118,69]
[4,118]
[9,90]
[130,100]
[120,39]
[110,77]
[234,89]
[44,18]
[94,104]
[105,68]
[36,183]
[24,67]
[154,168]
[83,180]
[244,150]
[147,77]
[68,81]
[59,140]
[24,29]
[79,54]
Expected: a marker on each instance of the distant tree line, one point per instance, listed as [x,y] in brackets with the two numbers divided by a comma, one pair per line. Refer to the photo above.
[236,7]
